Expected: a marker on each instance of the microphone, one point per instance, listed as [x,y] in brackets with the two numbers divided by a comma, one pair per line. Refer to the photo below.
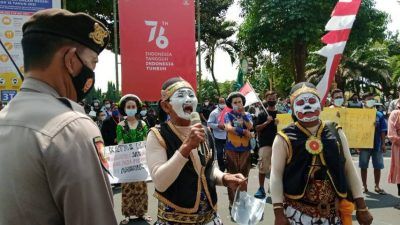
[195,119]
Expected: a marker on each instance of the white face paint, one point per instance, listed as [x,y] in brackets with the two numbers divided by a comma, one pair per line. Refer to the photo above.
[307,107]
[184,102]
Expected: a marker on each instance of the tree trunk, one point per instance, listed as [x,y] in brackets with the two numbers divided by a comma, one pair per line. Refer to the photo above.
[300,57]
[212,72]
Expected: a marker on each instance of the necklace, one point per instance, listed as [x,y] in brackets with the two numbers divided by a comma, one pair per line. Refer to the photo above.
[314,144]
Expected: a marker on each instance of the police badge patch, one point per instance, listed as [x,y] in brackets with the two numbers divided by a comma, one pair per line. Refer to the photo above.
[99,145]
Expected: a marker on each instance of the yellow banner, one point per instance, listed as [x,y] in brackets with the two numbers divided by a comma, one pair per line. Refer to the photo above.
[357,124]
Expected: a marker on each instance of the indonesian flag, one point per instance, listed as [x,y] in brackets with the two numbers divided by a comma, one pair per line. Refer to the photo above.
[339,27]
[251,98]
[249,93]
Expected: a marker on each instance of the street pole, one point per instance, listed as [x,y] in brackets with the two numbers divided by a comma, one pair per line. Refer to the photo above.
[199,41]
[64,4]
[116,44]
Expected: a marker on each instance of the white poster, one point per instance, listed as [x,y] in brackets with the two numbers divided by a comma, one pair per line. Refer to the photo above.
[127,162]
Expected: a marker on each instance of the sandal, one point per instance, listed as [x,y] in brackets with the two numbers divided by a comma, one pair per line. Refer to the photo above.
[380,191]
[365,190]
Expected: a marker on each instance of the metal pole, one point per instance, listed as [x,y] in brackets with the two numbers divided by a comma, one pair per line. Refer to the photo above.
[64,4]
[116,44]
[198,40]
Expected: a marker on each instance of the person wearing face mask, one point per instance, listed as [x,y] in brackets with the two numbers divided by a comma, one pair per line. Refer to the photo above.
[394,136]
[206,110]
[354,102]
[312,170]
[130,130]
[238,124]
[50,150]
[147,117]
[218,130]
[377,151]
[180,157]
[109,128]
[96,106]
[337,99]
[101,116]
[107,108]
[266,127]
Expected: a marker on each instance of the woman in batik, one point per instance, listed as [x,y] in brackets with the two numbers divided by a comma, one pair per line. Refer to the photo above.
[130,130]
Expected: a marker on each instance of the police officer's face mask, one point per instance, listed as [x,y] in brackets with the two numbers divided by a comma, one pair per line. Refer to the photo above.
[84,81]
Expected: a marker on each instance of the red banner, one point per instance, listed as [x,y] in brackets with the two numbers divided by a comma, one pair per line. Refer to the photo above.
[157,43]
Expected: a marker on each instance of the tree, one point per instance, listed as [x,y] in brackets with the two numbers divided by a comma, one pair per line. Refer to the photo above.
[112,93]
[93,94]
[293,28]
[215,33]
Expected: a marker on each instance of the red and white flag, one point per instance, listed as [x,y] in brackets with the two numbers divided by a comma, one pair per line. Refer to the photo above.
[339,27]
[249,93]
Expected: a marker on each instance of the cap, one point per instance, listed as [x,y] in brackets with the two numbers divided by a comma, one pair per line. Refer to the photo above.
[78,27]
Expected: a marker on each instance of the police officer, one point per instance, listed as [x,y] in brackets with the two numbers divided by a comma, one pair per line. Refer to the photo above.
[52,169]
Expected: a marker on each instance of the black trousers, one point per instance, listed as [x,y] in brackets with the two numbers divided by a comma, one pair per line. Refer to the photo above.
[220,145]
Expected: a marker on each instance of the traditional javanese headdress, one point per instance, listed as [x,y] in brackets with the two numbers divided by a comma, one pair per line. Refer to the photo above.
[170,90]
[301,88]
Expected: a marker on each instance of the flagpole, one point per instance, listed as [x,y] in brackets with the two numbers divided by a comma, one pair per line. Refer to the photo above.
[259,100]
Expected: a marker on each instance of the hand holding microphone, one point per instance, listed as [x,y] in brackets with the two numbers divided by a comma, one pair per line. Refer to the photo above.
[196,135]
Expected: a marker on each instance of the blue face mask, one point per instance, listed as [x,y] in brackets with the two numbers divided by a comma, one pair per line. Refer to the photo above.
[130,112]
[143,112]
[115,113]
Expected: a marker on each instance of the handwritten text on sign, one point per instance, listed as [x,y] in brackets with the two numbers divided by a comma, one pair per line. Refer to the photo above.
[357,124]
[127,162]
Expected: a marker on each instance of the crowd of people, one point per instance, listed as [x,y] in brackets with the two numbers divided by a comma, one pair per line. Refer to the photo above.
[51,147]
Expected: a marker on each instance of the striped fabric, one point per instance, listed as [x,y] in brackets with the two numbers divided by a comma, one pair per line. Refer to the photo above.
[339,27]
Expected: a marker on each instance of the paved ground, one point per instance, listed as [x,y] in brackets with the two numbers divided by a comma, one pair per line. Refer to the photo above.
[381,206]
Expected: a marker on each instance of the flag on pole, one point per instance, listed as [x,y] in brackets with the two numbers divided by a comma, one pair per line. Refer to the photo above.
[339,27]
[239,80]
[249,93]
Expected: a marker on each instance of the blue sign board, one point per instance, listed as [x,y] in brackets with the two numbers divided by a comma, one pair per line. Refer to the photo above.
[25,5]
[7,95]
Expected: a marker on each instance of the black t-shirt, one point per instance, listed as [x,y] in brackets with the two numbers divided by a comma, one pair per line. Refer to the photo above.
[206,110]
[267,135]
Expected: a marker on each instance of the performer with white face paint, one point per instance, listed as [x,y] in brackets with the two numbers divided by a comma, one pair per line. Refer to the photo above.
[180,157]
[312,170]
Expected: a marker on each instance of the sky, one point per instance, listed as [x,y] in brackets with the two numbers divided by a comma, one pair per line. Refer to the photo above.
[224,69]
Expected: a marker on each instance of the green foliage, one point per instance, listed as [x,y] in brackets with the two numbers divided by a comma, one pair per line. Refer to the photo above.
[112,93]
[215,33]
[93,94]
[208,91]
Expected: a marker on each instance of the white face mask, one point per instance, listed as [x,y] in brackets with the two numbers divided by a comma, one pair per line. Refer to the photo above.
[221,106]
[95,104]
[108,106]
[143,112]
[370,103]
[307,107]
[206,103]
[184,102]
[338,102]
